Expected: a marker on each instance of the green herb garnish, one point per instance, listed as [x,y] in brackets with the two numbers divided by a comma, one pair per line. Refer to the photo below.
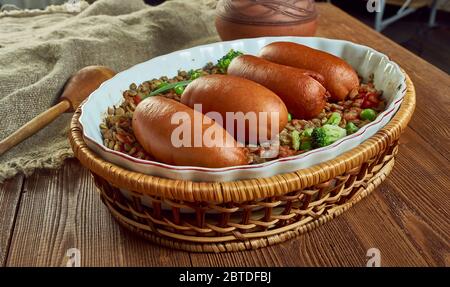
[168,87]
[225,61]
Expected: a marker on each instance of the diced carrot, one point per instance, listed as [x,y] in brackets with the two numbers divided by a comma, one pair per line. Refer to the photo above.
[137,100]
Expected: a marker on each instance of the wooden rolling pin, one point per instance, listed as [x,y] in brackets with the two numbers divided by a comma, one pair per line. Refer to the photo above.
[77,88]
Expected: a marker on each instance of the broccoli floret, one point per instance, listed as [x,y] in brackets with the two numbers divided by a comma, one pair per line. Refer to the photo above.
[306,145]
[307,132]
[225,61]
[351,128]
[326,135]
[334,119]
[295,136]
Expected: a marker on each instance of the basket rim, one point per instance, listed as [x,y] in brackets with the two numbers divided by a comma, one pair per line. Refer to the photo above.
[246,189]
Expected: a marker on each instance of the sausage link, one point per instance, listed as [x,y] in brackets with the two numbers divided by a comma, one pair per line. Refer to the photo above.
[340,77]
[304,97]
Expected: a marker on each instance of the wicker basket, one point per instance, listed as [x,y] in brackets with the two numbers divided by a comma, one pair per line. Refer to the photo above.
[245,214]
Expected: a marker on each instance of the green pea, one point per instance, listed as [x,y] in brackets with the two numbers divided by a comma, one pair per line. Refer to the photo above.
[368,114]
[179,89]
[289,117]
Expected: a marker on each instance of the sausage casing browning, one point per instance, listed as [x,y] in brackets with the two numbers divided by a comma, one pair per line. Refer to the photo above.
[304,97]
[265,113]
[340,77]
[154,130]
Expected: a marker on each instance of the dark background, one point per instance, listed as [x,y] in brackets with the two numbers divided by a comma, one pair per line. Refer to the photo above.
[412,31]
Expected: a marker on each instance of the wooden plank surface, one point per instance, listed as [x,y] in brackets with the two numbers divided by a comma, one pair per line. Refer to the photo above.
[59,210]
[9,203]
[432,84]
[406,218]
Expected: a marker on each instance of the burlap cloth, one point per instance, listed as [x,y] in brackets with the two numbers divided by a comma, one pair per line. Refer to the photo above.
[39,50]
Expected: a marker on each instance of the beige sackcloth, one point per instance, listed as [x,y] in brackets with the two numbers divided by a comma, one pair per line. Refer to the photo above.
[40,50]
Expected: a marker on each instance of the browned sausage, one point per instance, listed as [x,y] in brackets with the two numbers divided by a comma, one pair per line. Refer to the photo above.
[304,97]
[316,76]
[340,77]
[233,98]
[154,130]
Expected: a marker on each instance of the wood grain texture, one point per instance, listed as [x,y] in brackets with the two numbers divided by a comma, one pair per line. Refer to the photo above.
[432,84]
[405,221]
[418,194]
[407,218]
[60,209]
[9,202]
[333,244]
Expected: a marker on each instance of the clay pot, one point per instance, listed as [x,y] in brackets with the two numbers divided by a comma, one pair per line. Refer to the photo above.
[238,19]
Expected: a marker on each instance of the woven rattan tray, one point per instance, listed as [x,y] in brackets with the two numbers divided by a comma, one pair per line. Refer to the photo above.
[245,214]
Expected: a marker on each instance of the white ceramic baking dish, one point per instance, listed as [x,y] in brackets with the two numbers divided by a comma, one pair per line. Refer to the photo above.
[388,77]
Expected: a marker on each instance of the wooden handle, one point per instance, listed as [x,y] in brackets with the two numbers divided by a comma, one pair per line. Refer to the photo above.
[34,126]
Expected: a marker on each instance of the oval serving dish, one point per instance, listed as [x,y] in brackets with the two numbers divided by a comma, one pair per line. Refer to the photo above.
[388,77]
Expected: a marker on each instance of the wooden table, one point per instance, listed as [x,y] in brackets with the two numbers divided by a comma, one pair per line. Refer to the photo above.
[406,218]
